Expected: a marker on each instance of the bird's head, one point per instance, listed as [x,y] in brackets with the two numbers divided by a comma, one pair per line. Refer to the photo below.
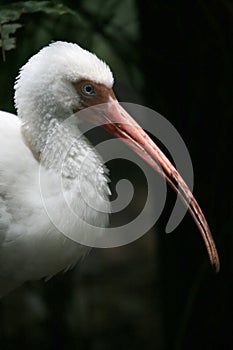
[63,79]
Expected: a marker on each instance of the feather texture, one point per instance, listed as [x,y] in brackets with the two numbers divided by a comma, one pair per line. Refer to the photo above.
[33,211]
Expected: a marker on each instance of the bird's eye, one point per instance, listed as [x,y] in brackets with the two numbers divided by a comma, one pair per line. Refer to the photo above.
[88,89]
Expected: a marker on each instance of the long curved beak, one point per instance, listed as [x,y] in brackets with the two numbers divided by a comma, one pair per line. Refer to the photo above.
[121,124]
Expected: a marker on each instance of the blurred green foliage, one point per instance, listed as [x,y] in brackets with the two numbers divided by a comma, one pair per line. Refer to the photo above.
[12,12]
[111,33]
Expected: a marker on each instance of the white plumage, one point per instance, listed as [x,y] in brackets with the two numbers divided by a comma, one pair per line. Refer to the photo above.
[30,246]
[52,181]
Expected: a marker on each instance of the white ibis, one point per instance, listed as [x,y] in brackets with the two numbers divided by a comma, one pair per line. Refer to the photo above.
[55,83]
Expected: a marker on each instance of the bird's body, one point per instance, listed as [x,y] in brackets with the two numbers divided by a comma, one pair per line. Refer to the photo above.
[31,247]
[51,179]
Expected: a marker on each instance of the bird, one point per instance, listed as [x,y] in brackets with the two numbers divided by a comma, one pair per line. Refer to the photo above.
[58,82]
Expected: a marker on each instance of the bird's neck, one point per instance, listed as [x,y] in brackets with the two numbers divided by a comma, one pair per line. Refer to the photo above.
[61,146]
[43,108]
[72,178]
[36,134]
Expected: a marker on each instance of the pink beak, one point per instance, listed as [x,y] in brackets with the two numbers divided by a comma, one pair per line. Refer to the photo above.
[121,124]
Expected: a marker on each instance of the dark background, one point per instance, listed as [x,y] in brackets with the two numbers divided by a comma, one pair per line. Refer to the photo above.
[158,292]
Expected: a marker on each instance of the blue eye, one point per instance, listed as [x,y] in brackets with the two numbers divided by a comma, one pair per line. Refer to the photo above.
[88,89]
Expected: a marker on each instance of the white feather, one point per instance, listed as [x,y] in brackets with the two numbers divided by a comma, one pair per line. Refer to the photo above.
[31,246]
